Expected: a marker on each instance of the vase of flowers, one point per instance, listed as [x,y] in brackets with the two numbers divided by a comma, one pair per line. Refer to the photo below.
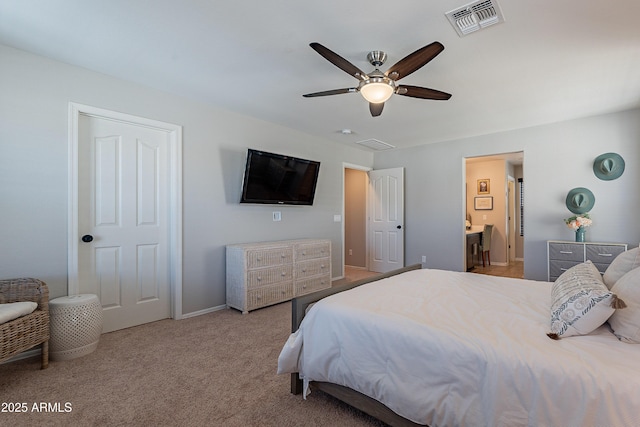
[578,223]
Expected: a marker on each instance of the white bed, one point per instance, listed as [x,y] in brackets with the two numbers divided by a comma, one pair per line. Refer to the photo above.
[444,348]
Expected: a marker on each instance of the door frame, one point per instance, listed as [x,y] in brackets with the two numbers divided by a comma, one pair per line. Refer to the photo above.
[364,169]
[174,192]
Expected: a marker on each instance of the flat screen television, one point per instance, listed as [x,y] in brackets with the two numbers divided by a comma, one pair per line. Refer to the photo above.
[276,179]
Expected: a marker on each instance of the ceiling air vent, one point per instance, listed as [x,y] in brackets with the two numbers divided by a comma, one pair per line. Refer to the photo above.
[374,144]
[475,16]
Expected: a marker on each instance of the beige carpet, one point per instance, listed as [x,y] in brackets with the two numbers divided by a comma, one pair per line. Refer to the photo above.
[217,369]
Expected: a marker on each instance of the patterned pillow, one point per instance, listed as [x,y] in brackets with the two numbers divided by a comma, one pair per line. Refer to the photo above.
[580,302]
[622,264]
[626,323]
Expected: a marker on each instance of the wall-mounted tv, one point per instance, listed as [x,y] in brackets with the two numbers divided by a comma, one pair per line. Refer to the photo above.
[276,179]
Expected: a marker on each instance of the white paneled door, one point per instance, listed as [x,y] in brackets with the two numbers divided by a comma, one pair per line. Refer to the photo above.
[386,219]
[123,220]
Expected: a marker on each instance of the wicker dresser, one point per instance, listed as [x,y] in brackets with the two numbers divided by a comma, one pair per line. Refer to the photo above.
[562,255]
[266,273]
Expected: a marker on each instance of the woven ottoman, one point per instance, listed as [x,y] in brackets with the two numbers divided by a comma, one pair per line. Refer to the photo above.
[76,326]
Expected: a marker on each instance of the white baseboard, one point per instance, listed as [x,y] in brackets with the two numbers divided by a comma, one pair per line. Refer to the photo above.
[205,311]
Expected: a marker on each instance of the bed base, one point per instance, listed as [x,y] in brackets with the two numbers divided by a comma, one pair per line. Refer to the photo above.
[351,397]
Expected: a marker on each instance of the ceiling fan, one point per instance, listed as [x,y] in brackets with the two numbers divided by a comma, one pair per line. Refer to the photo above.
[377,87]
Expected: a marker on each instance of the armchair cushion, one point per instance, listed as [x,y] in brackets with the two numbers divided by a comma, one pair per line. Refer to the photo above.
[16,309]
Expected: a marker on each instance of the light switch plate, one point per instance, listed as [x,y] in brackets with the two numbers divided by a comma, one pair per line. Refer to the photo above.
[277,216]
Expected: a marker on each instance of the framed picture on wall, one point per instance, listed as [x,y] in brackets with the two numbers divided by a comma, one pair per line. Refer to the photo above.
[483,203]
[483,186]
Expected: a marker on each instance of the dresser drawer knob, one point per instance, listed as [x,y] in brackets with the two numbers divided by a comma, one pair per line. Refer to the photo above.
[304,270]
[259,278]
[259,297]
[304,252]
[284,273]
[322,266]
[258,259]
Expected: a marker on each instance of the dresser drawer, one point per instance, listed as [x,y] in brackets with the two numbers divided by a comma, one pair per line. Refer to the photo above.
[312,268]
[603,254]
[257,258]
[312,250]
[268,295]
[268,276]
[566,251]
[307,286]
[557,267]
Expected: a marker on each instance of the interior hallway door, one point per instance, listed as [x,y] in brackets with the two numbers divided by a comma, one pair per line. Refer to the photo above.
[123,220]
[386,219]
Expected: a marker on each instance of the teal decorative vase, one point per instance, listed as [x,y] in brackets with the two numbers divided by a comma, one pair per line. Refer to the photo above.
[580,234]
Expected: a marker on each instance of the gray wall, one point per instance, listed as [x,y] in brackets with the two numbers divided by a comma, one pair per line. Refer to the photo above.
[35,93]
[557,158]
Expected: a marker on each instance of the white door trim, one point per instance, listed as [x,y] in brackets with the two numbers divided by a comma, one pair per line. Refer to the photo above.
[175,196]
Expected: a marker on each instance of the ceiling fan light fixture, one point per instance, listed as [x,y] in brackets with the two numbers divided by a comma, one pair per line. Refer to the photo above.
[377,91]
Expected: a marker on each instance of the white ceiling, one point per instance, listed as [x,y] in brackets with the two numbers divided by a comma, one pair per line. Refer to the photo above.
[552,60]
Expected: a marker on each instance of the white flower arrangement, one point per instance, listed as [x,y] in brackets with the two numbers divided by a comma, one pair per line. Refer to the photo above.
[577,221]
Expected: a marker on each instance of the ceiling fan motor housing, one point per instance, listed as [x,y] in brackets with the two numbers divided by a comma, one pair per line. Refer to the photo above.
[376,57]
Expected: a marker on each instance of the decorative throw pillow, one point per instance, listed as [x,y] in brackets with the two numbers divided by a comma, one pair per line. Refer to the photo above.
[622,264]
[580,302]
[14,310]
[626,323]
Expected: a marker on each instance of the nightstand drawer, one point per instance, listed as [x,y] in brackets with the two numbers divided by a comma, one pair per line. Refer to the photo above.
[557,267]
[603,254]
[566,251]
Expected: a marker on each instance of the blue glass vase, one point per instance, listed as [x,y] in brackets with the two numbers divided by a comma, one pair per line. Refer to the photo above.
[580,234]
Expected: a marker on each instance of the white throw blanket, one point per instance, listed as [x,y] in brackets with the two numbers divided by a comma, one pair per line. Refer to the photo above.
[445,348]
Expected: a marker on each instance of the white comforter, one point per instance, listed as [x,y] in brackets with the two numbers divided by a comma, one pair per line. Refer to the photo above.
[460,349]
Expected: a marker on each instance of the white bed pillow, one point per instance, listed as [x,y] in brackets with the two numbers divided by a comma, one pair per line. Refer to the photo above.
[13,310]
[626,323]
[580,302]
[621,265]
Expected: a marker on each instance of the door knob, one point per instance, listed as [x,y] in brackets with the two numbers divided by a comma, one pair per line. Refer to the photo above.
[399,227]
[87,238]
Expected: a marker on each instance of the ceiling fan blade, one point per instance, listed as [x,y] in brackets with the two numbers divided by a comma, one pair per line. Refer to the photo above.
[331,92]
[414,61]
[422,92]
[376,109]
[338,61]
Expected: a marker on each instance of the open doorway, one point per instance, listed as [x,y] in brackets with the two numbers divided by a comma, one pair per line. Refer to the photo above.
[493,198]
[355,229]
